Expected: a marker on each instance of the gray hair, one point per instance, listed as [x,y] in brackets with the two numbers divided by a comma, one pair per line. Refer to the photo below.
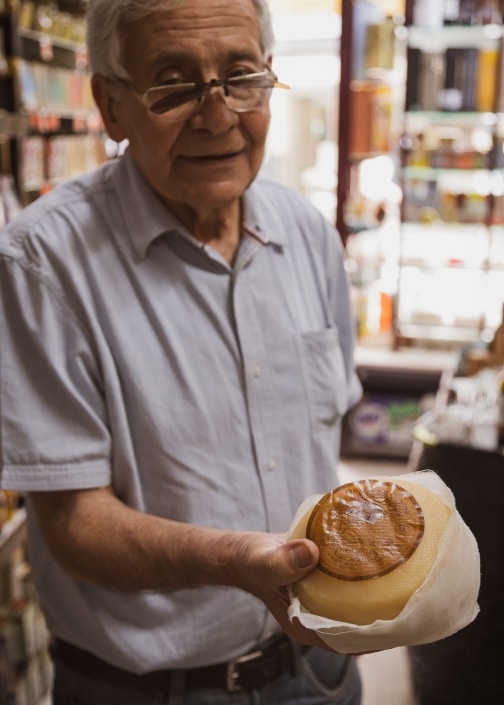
[106,19]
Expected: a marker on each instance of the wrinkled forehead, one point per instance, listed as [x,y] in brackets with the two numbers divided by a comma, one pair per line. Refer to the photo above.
[194,35]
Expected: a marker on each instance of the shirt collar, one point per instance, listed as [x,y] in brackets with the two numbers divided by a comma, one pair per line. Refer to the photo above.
[260,217]
[147,217]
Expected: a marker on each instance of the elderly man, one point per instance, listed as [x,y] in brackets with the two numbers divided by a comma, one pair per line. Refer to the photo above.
[176,359]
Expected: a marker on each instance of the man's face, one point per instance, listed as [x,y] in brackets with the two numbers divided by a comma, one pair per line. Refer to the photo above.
[207,161]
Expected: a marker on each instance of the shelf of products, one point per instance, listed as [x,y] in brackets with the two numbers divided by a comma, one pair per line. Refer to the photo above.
[50,129]
[373,71]
[451,258]
[25,666]
[371,100]
[433,249]
[399,387]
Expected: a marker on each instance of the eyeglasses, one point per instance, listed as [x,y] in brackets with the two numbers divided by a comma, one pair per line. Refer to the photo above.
[181,101]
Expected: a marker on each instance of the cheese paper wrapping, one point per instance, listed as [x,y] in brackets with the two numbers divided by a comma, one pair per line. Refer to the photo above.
[444,603]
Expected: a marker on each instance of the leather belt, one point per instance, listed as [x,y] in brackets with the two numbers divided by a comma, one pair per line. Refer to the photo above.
[250,671]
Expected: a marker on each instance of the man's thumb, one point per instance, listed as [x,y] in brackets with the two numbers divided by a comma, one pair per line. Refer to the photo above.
[303,557]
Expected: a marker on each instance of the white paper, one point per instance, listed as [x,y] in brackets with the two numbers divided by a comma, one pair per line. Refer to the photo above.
[444,603]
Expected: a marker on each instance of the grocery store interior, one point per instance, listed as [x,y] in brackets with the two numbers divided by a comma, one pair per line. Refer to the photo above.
[393,128]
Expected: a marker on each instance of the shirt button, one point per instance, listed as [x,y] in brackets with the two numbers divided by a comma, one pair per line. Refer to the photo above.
[271,465]
[257,371]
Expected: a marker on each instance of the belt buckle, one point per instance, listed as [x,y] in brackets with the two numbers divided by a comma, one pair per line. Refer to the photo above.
[232,674]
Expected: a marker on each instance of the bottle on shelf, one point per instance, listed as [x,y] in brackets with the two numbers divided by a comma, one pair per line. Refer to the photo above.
[428,13]
[487,12]
[451,12]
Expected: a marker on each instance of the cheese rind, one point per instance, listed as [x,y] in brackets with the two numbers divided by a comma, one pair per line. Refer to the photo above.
[365,529]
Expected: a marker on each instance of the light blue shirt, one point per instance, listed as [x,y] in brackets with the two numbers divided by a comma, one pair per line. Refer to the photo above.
[133,355]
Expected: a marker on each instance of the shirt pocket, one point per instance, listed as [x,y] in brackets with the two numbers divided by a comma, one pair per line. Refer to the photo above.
[325,377]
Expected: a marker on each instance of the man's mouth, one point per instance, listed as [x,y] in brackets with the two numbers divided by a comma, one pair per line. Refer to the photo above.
[205,158]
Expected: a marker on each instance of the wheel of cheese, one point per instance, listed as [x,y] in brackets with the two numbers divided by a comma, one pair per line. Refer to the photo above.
[378,539]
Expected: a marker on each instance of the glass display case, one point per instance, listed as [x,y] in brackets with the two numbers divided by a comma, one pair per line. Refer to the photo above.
[451,257]
[424,222]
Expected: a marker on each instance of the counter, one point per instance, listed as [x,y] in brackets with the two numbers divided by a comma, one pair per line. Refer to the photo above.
[398,388]
[466,669]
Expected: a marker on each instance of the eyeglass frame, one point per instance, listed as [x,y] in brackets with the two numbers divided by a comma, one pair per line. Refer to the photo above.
[200,92]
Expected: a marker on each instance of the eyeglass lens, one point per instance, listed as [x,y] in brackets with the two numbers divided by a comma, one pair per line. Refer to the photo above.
[241,94]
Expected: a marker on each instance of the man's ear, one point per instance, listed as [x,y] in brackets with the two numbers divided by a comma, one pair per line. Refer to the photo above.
[107,105]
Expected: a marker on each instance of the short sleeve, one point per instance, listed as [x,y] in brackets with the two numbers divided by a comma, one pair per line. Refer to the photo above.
[53,428]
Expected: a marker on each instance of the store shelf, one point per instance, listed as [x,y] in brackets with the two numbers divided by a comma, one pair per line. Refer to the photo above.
[468,174]
[398,387]
[49,110]
[416,119]
[406,359]
[440,333]
[450,283]
[13,124]
[460,36]
[49,39]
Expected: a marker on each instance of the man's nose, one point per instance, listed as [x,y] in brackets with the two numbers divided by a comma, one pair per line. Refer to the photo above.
[214,112]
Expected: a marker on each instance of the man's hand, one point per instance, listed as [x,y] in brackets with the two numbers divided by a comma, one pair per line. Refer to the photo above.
[268,565]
